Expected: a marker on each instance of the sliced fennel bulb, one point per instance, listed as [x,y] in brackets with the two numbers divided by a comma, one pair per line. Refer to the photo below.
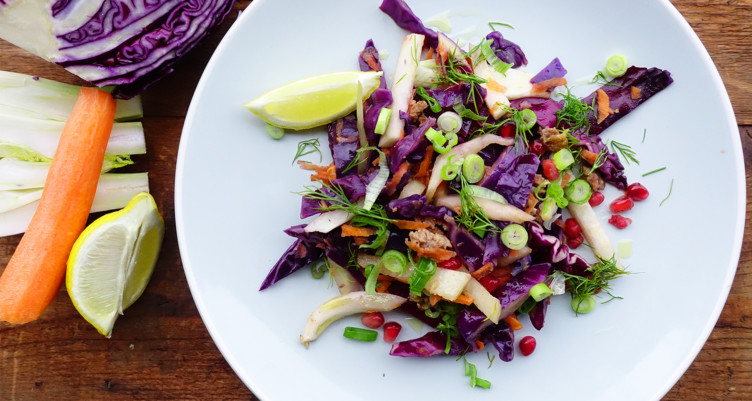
[19,174]
[43,135]
[114,191]
[34,97]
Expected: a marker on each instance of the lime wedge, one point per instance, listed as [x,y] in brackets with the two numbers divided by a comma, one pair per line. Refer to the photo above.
[314,101]
[112,261]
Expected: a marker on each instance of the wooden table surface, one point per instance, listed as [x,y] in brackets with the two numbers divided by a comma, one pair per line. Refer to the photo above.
[160,348]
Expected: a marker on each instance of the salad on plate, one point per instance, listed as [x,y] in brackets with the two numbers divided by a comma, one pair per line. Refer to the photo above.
[462,189]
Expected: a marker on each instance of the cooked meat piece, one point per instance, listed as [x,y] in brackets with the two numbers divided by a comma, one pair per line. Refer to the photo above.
[594,178]
[415,110]
[554,139]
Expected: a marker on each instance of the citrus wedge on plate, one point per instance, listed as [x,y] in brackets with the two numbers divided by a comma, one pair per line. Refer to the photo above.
[315,101]
[112,261]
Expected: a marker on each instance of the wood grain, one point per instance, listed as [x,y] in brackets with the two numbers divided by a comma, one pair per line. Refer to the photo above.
[161,350]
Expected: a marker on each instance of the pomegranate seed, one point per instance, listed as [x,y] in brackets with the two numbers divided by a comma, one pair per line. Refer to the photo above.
[550,170]
[572,228]
[620,222]
[637,192]
[507,130]
[621,204]
[575,242]
[490,283]
[391,331]
[372,320]
[527,345]
[537,147]
[451,264]
[596,198]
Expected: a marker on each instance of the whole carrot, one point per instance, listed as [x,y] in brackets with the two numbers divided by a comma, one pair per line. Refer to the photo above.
[33,275]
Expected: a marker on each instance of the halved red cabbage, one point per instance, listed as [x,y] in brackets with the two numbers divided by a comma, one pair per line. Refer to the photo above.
[344,142]
[415,205]
[554,69]
[380,98]
[125,44]
[299,255]
[538,314]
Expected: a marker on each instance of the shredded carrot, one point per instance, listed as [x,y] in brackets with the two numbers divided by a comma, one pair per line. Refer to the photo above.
[434,299]
[429,55]
[589,156]
[391,186]
[422,173]
[321,173]
[532,201]
[513,323]
[384,282]
[566,178]
[349,230]
[33,275]
[360,240]
[410,224]
[635,92]
[480,345]
[604,109]
[495,86]
[437,254]
[543,86]
[464,299]
[485,269]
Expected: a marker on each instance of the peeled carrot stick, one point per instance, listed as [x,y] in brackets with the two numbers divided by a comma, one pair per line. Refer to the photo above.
[33,275]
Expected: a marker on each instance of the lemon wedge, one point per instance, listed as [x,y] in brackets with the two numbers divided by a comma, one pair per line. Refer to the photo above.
[314,101]
[112,261]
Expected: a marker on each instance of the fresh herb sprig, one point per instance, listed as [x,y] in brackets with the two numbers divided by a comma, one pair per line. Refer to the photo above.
[333,197]
[598,279]
[306,148]
[575,113]
[625,150]
[472,215]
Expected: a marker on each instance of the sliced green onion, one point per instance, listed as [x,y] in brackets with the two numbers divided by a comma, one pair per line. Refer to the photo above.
[473,168]
[356,333]
[470,369]
[563,159]
[442,143]
[425,269]
[555,191]
[436,137]
[528,120]
[578,191]
[372,275]
[394,261]
[584,304]
[616,65]
[540,292]
[432,313]
[274,131]
[318,268]
[485,193]
[548,209]
[472,372]
[449,121]
[450,170]
[384,115]
[490,56]
[432,103]
[482,383]
[514,236]
[527,306]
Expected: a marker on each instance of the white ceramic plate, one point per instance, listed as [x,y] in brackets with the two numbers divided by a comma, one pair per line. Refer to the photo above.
[234,196]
